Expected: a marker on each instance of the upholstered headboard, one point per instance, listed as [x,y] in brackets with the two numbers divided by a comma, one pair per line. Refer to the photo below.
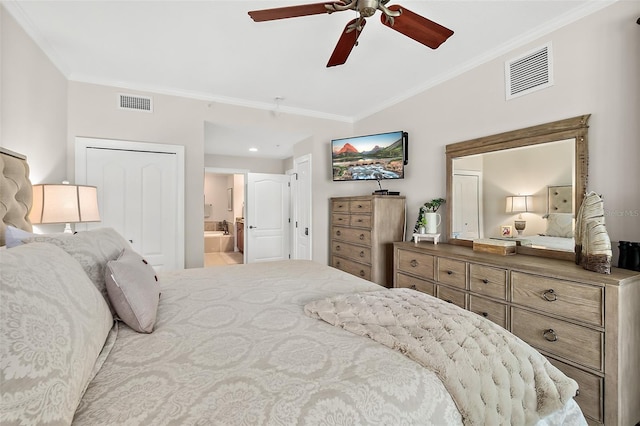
[15,192]
[560,199]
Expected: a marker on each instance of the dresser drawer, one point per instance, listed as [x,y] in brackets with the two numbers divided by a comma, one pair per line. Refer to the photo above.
[406,281]
[488,281]
[494,311]
[339,206]
[353,268]
[577,301]
[573,342]
[452,272]
[342,219]
[452,296]
[360,206]
[361,220]
[590,398]
[358,236]
[415,263]
[351,251]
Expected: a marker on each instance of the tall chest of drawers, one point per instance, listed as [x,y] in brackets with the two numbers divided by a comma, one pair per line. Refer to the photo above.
[363,230]
[587,324]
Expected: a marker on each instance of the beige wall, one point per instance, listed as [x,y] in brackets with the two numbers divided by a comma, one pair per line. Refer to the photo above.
[33,104]
[597,61]
[596,67]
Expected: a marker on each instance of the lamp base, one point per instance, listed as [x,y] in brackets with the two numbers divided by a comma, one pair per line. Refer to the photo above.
[520,225]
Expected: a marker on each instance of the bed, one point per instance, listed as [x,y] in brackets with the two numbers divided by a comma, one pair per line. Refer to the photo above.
[289,342]
[559,227]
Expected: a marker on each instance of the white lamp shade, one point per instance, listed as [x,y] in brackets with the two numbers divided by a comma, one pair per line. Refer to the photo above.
[519,203]
[53,203]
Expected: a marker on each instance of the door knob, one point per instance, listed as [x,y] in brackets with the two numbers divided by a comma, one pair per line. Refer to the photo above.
[251,226]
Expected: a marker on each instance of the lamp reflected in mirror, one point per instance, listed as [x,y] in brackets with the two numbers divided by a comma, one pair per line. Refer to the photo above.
[519,204]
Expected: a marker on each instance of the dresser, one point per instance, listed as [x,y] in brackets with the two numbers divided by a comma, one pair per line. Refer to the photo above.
[587,324]
[363,230]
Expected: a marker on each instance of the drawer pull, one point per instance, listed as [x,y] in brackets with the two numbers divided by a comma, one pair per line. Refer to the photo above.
[361,236]
[413,263]
[550,335]
[485,314]
[339,219]
[448,300]
[550,295]
[338,233]
[413,287]
[485,281]
[362,254]
[360,220]
[359,206]
[361,273]
[338,264]
[450,272]
[337,248]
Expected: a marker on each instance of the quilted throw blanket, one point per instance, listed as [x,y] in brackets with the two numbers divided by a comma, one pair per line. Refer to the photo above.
[493,376]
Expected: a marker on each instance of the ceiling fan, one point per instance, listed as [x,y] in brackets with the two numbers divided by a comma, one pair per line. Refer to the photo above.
[396,17]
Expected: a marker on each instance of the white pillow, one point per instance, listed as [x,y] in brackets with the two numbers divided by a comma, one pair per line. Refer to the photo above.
[559,225]
[53,325]
[133,289]
[92,249]
[13,236]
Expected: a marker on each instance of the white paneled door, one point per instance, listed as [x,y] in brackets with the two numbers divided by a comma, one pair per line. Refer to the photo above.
[139,196]
[467,208]
[301,192]
[267,217]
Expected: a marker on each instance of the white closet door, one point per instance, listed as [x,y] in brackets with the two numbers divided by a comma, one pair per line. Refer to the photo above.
[137,195]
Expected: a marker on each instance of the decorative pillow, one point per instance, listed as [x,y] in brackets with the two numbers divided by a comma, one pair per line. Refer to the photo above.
[559,225]
[133,289]
[53,325]
[13,236]
[92,249]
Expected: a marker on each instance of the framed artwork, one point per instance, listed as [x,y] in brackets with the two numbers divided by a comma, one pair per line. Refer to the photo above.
[506,231]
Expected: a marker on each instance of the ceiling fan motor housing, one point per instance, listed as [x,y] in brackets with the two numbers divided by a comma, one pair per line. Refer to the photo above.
[367,7]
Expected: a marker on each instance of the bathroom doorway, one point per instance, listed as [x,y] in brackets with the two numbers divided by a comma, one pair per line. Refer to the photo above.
[223,217]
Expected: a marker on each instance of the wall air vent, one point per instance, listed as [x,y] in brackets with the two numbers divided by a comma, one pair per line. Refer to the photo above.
[529,72]
[135,102]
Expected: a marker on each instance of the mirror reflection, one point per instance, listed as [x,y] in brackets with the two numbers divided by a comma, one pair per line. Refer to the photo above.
[524,185]
[523,193]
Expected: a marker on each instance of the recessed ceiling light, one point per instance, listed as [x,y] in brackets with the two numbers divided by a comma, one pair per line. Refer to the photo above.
[253,149]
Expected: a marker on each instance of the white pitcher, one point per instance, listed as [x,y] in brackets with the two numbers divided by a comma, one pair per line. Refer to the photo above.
[433,221]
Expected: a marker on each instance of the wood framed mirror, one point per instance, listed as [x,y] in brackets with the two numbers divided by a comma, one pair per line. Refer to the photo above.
[538,166]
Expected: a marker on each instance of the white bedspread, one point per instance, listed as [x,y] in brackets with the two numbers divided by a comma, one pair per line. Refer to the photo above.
[494,377]
[232,346]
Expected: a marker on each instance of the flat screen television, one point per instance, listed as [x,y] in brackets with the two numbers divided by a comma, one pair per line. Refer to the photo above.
[371,157]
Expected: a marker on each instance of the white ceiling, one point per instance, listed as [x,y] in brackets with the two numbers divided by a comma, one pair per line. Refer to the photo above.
[213,50]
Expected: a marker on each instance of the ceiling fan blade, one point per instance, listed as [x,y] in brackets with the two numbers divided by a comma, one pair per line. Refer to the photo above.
[289,11]
[346,43]
[419,28]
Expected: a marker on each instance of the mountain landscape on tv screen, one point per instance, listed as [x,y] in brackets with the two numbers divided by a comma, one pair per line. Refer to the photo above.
[377,163]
